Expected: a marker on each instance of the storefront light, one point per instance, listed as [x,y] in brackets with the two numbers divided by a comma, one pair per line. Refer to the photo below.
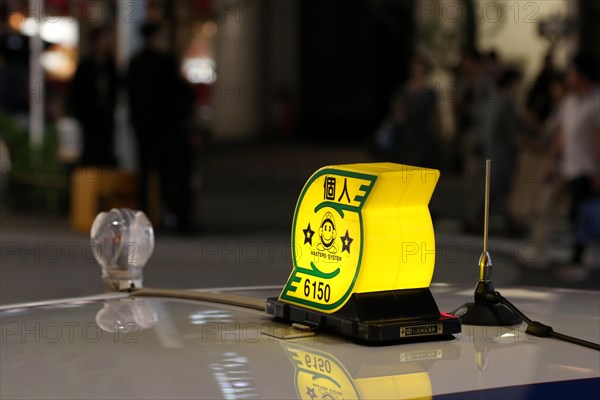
[59,30]
[200,70]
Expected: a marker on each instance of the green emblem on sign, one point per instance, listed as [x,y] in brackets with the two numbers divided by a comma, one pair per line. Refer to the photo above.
[327,239]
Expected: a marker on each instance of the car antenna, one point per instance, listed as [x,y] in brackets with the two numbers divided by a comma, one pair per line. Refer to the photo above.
[490,308]
[483,310]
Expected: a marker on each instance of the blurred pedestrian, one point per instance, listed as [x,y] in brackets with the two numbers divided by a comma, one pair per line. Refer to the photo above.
[492,66]
[468,84]
[501,128]
[539,98]
[7,86]
[535,197]
[161,103]
[574,158]
[579,147]
[409,134]
[14,83]
[92,101]
[416,112]
[473,92]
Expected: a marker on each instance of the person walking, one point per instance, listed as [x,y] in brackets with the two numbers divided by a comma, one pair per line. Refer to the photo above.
[161,104]
[93,98]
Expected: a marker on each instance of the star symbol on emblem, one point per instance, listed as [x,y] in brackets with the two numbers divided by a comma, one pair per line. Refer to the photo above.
[311,392]
[346,241]
[308,235]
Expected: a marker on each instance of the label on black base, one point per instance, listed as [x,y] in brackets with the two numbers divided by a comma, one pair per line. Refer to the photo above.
[421,330]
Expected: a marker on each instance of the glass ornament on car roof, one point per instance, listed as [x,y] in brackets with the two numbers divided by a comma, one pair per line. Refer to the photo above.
[122,241]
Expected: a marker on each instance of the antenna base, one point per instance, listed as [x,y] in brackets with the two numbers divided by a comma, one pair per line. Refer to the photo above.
[484,312]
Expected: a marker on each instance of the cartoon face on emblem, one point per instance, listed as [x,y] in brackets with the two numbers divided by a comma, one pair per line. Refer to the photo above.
[328,233]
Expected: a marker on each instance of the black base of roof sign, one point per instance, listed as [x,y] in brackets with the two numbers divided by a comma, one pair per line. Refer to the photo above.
[393,316]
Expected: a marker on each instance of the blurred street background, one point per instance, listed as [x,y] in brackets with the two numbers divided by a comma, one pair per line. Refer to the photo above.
[210,115]
[246,211]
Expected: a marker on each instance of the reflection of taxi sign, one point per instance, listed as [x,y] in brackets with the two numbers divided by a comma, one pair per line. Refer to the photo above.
[320,375]
[360,229]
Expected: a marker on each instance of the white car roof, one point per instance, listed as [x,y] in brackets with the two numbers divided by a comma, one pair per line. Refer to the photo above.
[190,349]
